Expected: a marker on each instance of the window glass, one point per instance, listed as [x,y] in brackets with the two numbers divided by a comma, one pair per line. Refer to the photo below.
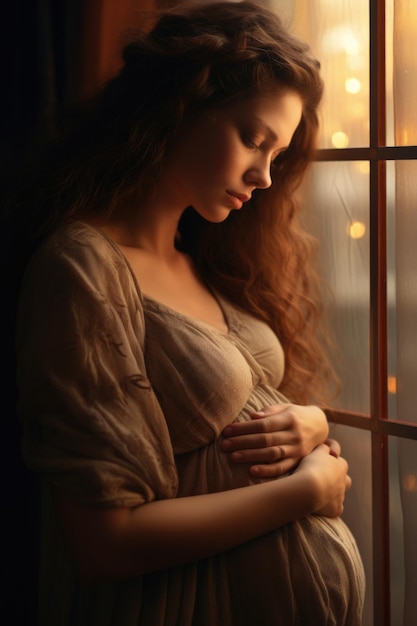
[389,87]
[401,65]
[338,33]
[403,515]
[396,537]
[336,201]
[391,296]
[402,288]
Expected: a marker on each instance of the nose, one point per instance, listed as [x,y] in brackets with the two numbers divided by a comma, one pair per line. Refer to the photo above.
[259,174]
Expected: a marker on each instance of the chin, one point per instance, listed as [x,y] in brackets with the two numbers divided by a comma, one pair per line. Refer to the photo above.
[217,216]
[222,218]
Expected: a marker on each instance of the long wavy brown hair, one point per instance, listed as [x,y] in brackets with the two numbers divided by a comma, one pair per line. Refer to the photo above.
[196,57]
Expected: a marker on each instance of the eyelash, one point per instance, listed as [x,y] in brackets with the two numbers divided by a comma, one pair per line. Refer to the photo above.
[250,143]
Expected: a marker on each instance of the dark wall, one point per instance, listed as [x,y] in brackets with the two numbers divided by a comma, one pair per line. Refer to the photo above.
[54,52]
[36,70]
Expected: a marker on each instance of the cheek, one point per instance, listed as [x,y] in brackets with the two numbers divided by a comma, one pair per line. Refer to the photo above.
[216,159]
[211,165]
[224,160]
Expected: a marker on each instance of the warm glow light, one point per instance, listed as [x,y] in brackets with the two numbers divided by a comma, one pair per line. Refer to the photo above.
[340,139]
[410,482]
[362,167]
[358,109]
[351,46]
[356,230]
[392,384]
[353,85]
[341,38]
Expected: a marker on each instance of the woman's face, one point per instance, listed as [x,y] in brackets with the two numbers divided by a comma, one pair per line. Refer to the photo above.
[227,153]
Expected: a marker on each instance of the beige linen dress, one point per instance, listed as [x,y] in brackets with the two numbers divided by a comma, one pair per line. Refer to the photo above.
[123,401]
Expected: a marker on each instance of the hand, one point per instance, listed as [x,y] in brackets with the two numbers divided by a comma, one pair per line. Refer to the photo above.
[276,438]
[331,477]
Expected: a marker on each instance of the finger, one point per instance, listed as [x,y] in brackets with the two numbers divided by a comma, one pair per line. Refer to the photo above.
[272,470]
[237,429]
[335,449]
[259,455]
[254,426]
[258,442]
[273,409]
[262,424]
[323,448]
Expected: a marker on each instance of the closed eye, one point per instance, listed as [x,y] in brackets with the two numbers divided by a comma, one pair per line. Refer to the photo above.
[256,143]
[252,143]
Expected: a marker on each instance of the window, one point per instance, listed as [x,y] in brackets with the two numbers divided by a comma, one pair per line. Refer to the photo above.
[362,193]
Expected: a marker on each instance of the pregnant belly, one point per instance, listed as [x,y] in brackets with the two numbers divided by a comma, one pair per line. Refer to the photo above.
[308,572]
[305,573]
[208,469]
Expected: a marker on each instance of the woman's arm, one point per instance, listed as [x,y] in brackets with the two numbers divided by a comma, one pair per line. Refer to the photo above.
[122,542]
[276,438]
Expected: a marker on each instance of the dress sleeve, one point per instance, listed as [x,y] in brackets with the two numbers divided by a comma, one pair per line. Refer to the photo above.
[92,423]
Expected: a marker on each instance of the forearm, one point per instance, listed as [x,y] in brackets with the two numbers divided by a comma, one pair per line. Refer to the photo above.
[188,529]
[126,542]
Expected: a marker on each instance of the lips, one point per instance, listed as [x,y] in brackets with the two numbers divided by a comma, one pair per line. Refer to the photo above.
[243,197]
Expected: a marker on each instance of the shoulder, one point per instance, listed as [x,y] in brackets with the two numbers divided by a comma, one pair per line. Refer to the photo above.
[80,242]
[79,282]
[80,254]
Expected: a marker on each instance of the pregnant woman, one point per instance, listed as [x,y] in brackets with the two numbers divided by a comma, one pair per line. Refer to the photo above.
[169,367]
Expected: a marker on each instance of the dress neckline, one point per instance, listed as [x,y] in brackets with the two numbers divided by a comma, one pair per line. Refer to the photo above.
[162,307]
[226,311]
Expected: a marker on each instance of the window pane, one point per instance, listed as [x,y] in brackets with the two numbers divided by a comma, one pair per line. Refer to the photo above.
[389,44]
[403,522]
[336,197]
[338,33]
[401,72]
[391,298]
[402,288]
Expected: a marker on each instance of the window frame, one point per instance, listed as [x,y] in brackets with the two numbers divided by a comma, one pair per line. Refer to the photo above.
[377,423]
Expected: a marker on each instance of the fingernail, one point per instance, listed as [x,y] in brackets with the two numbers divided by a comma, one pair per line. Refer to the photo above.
[226,444]
[227,431]
[260,413]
